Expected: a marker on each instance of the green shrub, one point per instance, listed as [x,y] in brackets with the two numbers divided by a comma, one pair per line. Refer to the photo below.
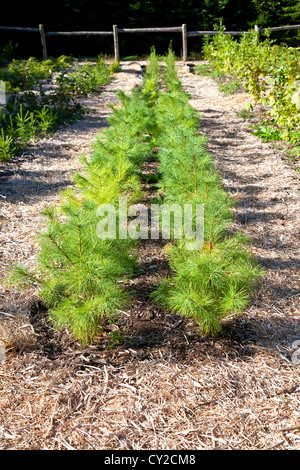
[269,72]
[31,114]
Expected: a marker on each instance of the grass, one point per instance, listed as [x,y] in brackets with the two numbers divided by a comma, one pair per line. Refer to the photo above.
[229,87]
[204,70]
[244,114]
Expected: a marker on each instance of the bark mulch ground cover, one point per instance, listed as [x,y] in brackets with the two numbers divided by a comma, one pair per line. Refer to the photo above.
[166,386]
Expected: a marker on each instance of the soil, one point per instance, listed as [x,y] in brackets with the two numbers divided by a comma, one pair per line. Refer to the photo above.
[164,386]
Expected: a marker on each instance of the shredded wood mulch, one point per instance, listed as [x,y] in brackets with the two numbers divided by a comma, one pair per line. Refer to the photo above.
[166,386]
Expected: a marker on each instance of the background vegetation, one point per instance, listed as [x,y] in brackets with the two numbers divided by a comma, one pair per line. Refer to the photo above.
[38,101]
[87,15]
[270,74]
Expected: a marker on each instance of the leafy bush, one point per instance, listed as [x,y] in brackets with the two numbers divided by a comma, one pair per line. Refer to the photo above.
[85,78]
[22,75]
[33,113]
[269,72]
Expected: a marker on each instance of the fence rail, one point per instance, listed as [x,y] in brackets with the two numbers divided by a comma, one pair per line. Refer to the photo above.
[174,29]
[17,28]
[214,33]
[79,33]
[115,32]
[281,28]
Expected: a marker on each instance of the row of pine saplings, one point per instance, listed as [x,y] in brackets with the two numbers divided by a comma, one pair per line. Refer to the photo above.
[80,276]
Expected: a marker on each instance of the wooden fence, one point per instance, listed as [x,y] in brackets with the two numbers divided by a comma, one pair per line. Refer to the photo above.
[116,31]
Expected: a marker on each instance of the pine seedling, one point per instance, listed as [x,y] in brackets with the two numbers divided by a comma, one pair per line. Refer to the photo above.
[104,184]
[216,281]
[172,82]
[46,119]
[6,146]
[25,124]
[80,275]
[21,277]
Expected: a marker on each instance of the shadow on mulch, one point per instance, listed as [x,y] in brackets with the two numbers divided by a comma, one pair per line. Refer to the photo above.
[160,336]
[28,183]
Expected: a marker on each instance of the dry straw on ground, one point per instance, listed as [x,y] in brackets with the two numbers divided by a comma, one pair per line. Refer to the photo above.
[166,387]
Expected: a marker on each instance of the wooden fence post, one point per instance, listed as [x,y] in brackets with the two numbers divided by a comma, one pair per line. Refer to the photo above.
[257,32]
[116,42]
[43,40]
[184,44]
